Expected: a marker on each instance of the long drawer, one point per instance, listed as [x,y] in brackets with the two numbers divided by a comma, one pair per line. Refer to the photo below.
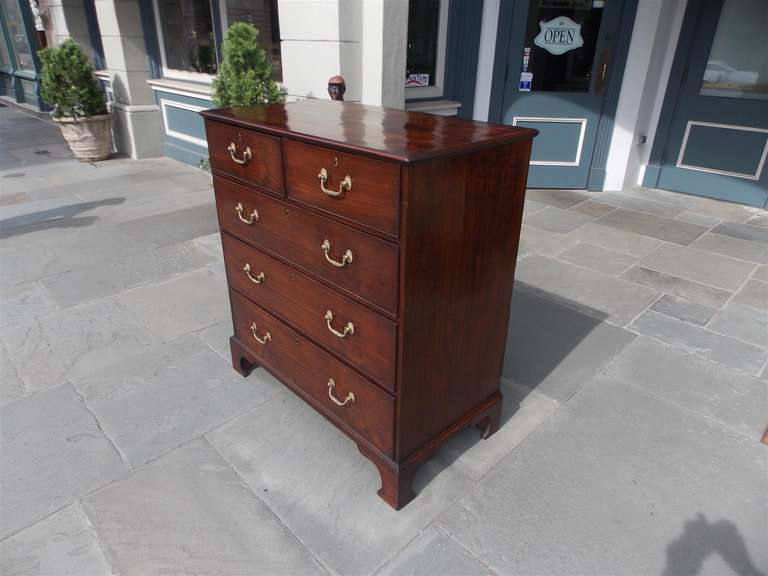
[337,391]
[359,335]
[356,262]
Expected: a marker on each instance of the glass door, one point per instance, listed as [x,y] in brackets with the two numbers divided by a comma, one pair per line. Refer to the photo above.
[560,61]
[718,138]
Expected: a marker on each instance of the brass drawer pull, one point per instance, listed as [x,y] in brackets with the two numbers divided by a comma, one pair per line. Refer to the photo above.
[247,155]
[350,399]
[252,217]
[344,186]
[263,340]
[348,329]
[260,277]
[346,259]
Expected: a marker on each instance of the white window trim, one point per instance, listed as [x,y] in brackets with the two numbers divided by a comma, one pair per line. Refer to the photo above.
[172,72]
[442,38]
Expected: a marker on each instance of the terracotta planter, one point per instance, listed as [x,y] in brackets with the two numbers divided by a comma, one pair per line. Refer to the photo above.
[89,138]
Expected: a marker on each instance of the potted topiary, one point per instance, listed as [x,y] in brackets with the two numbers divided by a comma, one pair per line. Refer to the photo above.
[69,86]
[245,74]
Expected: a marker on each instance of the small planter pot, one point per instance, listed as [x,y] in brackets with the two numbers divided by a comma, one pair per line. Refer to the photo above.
[89,138]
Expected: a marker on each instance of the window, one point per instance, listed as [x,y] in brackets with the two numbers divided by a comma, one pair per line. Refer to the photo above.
[187,33]
[18,36]
[186,38]
[561,41]
[737,66]
[425,57]
[263,15]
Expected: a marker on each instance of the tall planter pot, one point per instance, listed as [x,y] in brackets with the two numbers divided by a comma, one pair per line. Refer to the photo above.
[89,138]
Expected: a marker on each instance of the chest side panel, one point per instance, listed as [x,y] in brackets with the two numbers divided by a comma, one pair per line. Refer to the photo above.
[460,233]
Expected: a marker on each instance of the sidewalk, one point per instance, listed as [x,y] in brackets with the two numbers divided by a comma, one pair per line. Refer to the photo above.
[636,393]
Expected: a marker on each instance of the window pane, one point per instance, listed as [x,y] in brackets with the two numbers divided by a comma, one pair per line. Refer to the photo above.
[188,35]
[737,66]
[18,36]
[562,36]
[263,15]
[5,56]
[423,27]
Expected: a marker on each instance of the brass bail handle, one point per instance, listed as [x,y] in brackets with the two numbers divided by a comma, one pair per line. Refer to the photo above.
[261,340]
[247,154]
[344,186]
[348,329]
[252,217]
[258,279]
[345,259]
[349,399]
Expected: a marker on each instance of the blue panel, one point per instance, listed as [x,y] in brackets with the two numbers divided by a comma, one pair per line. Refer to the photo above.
[724,149]
[187,122]
[556,142]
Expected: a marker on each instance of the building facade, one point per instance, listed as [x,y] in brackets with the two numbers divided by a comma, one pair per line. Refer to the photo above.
[662,93]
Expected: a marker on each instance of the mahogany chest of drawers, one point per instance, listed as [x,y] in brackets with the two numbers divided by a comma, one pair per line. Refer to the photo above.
[370,256]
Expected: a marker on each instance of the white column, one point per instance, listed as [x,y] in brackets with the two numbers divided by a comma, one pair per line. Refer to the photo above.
[137,122]
[646,75]
[319,39]
[67,19]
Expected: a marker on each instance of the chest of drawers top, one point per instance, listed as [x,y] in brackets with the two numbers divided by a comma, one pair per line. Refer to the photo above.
[384,133]
[370,256]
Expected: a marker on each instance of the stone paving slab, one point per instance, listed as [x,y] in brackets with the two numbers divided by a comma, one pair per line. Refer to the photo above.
[198,302]
[557,220]
[73,343]
[730,246]
[318,484]
[729,351]
[607,298]
[153,402]
[699,266]
[620,482]
[522,411]
[52,452]
[737,401]
[11,385]
[673,285]
[435,553]
[554,349]
[189,513]
[598,258]
[653,225]
[62,545]
[683,309]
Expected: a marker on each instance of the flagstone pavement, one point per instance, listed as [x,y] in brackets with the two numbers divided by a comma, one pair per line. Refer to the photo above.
[635,383]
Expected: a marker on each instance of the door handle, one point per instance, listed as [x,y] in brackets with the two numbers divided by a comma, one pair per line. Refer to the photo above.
[605,62]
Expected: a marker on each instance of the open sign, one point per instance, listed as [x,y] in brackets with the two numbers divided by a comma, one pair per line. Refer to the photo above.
[559,35]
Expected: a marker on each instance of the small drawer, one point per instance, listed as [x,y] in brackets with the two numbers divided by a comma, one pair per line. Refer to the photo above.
[335,390]
[359,189]
[251,156]
[354,332]
[353,261]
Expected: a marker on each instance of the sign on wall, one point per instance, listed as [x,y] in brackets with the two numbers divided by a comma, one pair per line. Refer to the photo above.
[559,35]
[416,80]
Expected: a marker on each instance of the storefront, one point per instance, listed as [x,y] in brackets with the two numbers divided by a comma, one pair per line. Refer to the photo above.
[19,43]
[663,93]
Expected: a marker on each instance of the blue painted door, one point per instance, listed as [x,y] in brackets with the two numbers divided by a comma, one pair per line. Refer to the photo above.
[718,137]
[560,62]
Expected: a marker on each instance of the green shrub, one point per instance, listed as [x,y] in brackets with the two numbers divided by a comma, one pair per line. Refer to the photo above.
[245,74]
[68,84]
